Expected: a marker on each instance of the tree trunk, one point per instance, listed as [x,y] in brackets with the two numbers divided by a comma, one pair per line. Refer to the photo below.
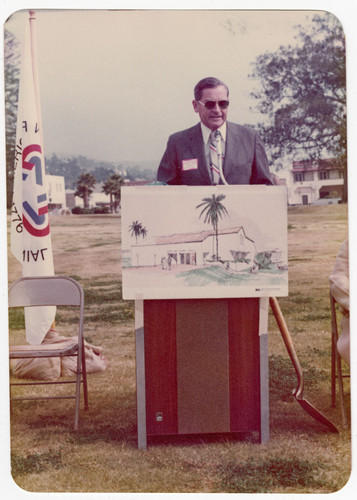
[345,184]
[85,199]
[111,203]
[217,243]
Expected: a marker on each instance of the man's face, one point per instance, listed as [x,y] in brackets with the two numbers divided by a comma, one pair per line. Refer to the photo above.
[215,117]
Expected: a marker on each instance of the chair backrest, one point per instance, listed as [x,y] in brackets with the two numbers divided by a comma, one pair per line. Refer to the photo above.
[46,291]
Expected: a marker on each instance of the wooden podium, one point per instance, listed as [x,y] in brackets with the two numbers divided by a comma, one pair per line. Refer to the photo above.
[201,292]
[201,367]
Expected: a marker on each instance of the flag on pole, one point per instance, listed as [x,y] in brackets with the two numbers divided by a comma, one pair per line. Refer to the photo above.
[30,230]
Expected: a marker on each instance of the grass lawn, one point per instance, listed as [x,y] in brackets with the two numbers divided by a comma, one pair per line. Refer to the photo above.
[302,456]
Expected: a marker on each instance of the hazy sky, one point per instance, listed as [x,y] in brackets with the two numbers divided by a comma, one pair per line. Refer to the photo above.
[114,85]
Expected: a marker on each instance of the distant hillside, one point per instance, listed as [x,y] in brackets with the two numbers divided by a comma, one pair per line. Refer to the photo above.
[71,168]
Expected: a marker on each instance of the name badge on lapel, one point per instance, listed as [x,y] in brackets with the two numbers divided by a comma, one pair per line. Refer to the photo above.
[190,164]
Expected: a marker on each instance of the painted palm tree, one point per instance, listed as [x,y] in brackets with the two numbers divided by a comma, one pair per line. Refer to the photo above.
[213,210]
[144,232]
[137,229]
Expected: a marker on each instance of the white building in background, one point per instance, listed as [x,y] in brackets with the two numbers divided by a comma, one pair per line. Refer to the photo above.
[314,182]
[96,199]
[56,192]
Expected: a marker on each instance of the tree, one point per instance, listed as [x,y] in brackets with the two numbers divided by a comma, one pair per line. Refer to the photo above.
[136,172]
[303,94]
[213,209]
[112,186]
[144,232]
[101,172]
[69,168]
[11,79]
[137,229]
[84,187]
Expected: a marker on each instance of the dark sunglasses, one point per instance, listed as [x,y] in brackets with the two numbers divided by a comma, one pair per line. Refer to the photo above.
[212,104]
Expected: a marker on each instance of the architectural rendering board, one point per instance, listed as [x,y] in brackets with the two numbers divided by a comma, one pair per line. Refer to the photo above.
[204,241]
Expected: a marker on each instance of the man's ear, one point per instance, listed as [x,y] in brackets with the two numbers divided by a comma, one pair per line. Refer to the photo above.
[195,105]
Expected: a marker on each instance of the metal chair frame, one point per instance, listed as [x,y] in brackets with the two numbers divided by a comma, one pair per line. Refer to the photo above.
[336,366]
[52,291]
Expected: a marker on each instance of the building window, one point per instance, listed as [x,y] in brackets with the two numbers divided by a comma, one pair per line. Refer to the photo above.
[324,175]
[299,177]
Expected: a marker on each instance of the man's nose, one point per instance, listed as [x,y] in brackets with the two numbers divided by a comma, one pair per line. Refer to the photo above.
[216,108]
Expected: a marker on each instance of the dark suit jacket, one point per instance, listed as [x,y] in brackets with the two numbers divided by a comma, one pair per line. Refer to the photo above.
[245,158]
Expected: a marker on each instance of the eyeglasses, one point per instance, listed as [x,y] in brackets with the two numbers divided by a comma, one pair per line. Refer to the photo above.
[212,104]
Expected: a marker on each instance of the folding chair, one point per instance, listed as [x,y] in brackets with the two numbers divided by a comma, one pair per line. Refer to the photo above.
[336,364]
[52,291]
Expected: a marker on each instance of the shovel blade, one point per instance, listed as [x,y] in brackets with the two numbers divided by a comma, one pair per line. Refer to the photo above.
[316,414]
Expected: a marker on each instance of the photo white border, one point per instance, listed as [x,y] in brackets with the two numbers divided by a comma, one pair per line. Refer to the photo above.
[346,11]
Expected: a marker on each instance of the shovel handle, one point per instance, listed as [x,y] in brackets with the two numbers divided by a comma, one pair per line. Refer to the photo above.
[274,304]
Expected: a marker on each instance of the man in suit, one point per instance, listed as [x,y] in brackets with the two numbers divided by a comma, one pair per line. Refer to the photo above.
[187,159]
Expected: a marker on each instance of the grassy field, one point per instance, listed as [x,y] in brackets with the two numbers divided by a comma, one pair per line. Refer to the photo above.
[301,456]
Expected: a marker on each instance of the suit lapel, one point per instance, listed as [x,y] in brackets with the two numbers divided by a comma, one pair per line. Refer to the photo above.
[231,150]
[198,151]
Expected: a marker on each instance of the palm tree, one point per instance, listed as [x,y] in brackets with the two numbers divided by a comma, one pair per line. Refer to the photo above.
[84,187]
[137,229]
[144,232]
[213,210]
[112,186]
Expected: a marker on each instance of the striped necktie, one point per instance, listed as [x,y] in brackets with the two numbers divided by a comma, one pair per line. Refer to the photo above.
[215,148]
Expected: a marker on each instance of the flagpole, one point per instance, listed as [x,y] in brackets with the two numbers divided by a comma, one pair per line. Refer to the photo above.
[32,19]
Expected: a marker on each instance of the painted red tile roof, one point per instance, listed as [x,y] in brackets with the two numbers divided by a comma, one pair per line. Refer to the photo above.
[193,237]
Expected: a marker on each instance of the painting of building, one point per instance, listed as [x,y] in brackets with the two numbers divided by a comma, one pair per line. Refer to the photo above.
[196,241]
[194,249]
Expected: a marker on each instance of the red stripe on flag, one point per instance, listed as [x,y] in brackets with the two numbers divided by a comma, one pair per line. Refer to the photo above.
[43,210]
[32,230]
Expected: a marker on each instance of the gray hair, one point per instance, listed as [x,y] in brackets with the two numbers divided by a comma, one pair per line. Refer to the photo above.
[209,82]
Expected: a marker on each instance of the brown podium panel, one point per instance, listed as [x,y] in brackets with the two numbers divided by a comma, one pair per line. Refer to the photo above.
[202,366]
[160,366]
[244,364]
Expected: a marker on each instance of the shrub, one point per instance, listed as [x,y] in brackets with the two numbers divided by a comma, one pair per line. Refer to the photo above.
[101,210]
[81,211]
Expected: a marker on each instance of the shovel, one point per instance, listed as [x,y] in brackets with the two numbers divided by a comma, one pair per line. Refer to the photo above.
[298,392]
